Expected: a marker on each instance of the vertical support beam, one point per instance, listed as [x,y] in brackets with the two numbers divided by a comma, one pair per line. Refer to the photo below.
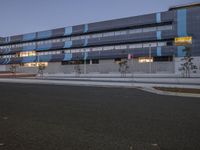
[182,22]
[181,29]
[158,17]
[159,53]
[158,35]
[85,28]
[68,31]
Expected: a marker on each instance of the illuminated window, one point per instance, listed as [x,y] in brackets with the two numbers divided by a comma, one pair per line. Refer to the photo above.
[145,60]
[26,54]
[35,64]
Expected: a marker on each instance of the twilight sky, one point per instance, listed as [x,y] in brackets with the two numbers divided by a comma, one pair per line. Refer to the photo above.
[24,16]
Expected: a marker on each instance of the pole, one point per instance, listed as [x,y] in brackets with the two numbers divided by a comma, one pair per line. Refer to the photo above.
[85,66]
[133,69]
[149,58]
[85,69]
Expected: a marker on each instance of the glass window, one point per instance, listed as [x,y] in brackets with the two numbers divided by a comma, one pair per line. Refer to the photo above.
[96,35]
[87,36]
[73,51]
[132,31]
[117,47]
[108,34]
[166,27]
[123,32]
[150,44]
[87,49]
[138,45]
[146,45]
[145,60]
[162,43]
[120,32]
[75,38]
[97,49]
[150,29]
[67,51]
[123,46]
[64,39]
[108,47]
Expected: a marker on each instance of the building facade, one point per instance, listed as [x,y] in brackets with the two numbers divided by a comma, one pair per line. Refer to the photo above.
[146,42]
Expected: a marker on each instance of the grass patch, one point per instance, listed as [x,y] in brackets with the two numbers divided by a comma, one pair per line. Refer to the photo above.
[180,90]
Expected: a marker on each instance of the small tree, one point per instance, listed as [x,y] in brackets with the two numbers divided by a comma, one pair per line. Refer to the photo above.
[187,65]
[13,70]
[41,68]
[123,68]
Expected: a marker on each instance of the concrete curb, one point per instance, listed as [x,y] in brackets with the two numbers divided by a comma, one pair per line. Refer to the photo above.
[155,91]
[140,86]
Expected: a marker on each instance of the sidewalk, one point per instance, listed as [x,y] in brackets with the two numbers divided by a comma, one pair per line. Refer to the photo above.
[117,75]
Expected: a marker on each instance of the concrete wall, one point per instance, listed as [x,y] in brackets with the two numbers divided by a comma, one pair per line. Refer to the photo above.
[105,67]
[2,68]
[178,62]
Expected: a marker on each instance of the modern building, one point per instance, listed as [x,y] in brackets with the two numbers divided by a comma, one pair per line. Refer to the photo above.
[151,43]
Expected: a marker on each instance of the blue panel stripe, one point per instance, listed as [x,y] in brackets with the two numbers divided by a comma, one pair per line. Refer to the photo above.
[44,47]
[67,57]
[182,23]
[158,34]
[29,59]
[29,48]
[44,34]
[159,51]
[158,18]
[68,30]
[181,52]
[86,42]
[85,28]
[68,44]
[30,36]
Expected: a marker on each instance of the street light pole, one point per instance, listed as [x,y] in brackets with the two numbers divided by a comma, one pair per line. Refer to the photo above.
[133,68]
[85,63]
[85,66]
[149,58]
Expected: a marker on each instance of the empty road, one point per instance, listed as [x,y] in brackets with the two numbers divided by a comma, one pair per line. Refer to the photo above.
[49,117]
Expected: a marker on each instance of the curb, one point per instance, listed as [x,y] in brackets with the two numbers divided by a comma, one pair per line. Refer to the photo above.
[152,90]
[143,87]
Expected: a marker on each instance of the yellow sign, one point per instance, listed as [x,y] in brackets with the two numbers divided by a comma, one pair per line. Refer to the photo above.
[179,41]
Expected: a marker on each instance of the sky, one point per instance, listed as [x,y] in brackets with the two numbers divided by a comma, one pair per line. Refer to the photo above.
[26,16]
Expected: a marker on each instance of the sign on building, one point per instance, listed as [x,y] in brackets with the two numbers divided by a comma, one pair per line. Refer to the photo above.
[182,41]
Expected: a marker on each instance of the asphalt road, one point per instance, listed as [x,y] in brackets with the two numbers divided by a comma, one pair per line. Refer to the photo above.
[44,117]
